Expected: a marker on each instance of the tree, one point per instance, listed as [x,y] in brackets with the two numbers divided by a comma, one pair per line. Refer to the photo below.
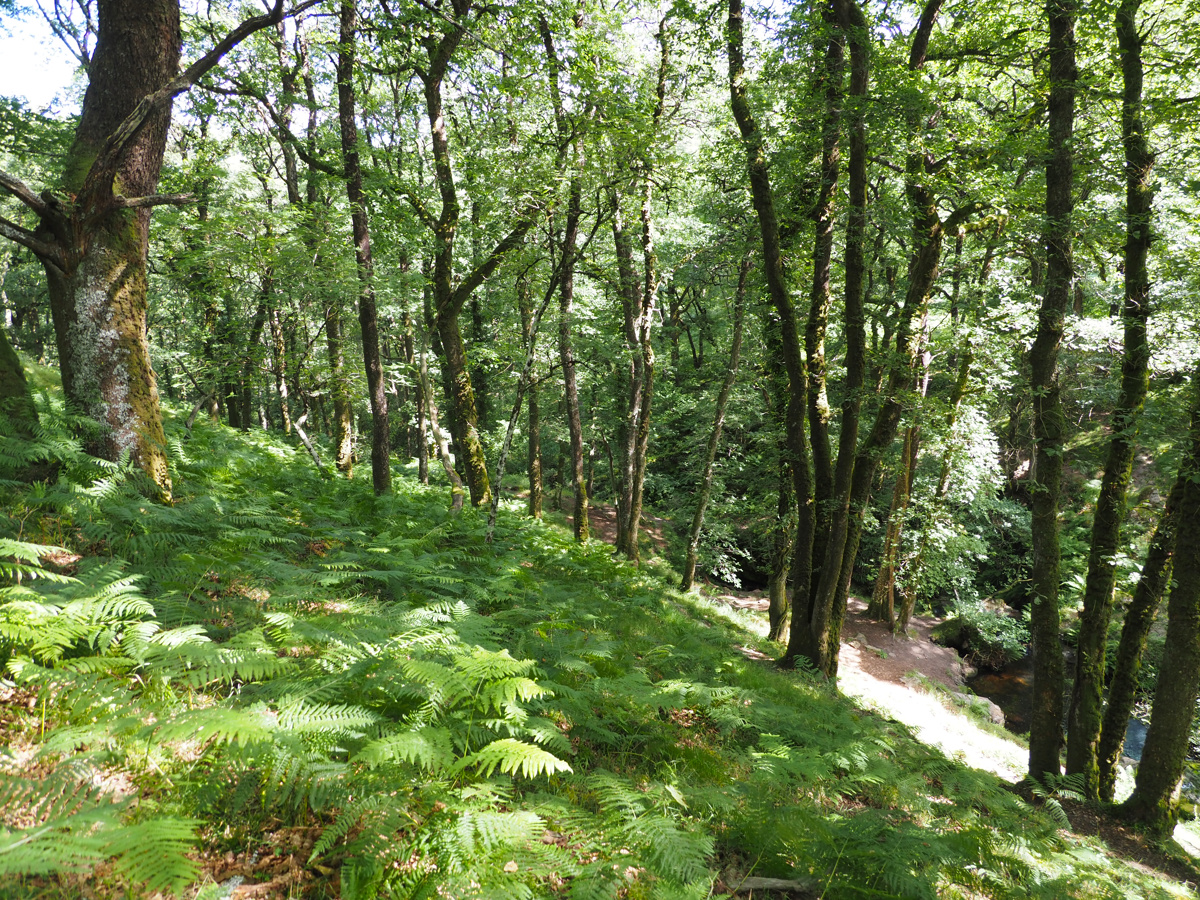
[1154,801]
[1045,736]
[381,473]
[92,237]
[714,439]
[1087,703]
[449,297]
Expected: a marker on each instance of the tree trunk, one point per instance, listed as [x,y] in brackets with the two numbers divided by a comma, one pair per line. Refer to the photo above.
[97,280]
[439,436]
[782,543]
[381,451]
[252,358]
[1045,736]
[883,596]
[1087,696]
[568,145]
[1127,665]
[820,296]
[525,304]
[1154,801]
[797,455]
[449,297]
[279,367]
[339,388]
[16,404]
[634,381]
[821,620]
[714,438]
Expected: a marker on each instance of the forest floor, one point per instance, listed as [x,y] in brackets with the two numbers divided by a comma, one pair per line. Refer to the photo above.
[344,696]
[922,685]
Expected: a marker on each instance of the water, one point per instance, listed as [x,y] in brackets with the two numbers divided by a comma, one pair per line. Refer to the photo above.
[1135,739]
[1011,688]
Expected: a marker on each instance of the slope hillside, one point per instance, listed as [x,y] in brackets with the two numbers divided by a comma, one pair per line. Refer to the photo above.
[282,686]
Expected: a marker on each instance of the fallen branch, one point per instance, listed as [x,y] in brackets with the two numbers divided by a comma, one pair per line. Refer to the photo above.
[803,887]
[299,426]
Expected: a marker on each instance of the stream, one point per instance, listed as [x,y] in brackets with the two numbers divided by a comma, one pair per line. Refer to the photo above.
[1011,688]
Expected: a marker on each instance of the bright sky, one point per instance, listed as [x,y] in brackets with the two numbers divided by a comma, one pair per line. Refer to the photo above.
[34,66]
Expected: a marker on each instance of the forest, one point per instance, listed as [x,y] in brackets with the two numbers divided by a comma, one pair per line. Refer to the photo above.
[391,390]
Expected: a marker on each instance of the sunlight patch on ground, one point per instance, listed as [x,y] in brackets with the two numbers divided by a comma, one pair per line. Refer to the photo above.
[954,733]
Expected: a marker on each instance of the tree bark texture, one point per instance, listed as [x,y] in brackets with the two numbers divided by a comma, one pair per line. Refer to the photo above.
[92,241]
[821,618]
[797,456]
[97,284]
[360,227]
[1154,801]
[1045,736]
[820,296]
[1087,696]
[1139,618]
[714,438]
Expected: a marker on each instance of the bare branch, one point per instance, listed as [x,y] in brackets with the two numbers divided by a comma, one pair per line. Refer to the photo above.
[153,200]
[104,169]
[48,253]
[24,193]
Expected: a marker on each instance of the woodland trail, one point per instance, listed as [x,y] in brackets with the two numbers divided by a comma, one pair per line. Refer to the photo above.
[902,678]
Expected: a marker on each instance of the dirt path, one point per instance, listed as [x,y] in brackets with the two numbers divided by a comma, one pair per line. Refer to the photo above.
[887,674]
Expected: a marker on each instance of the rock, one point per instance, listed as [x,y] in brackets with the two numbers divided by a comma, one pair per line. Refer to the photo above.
[994,712]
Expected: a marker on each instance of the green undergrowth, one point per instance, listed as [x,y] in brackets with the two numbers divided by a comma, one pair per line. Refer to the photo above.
[281,666]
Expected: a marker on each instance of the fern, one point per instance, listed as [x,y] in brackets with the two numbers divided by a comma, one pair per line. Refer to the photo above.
[510,756]
[76,826]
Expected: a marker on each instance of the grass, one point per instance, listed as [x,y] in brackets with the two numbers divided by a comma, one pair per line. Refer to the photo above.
[285,679]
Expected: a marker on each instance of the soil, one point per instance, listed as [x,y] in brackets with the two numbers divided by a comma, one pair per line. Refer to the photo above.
[602,523]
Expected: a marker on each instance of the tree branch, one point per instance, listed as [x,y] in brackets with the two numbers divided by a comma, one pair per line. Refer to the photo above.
[241,90]
[419,208]
[153,200]
[510,242]
[19,189]
[48,253]
[103,170]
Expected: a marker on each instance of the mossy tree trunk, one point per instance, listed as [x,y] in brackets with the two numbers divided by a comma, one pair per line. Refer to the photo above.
[1045,736]
[1087,696]
[449,297]
[1139,617]
[1154,800]
[796,456]
[92,242]
[829,77]
[97,274]
[381,451]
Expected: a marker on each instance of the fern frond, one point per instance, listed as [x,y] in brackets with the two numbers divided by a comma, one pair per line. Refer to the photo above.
[427,748]
[510,756]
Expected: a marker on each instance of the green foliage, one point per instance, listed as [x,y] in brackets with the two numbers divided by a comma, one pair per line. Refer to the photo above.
[987,636]
[278,650]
